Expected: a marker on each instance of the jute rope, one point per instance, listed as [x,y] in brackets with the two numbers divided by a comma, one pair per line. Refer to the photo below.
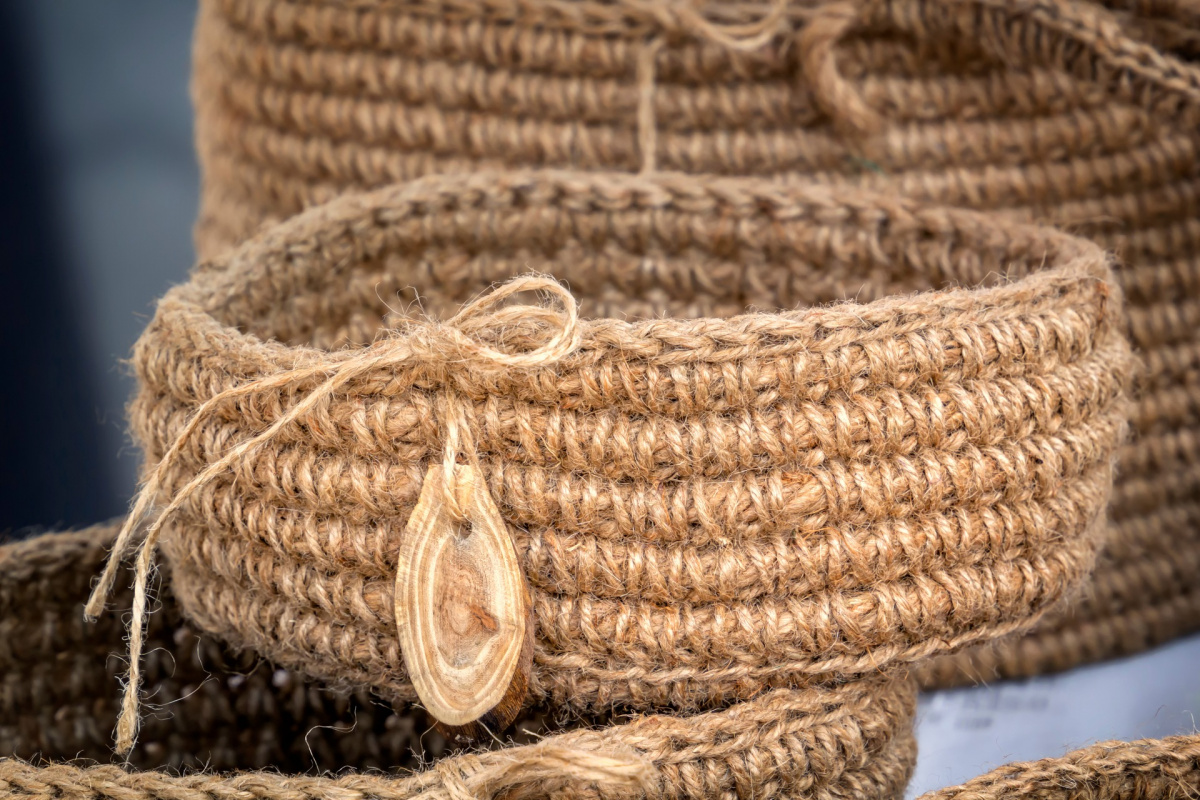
[1148,769]
[22,780]
[1054,111]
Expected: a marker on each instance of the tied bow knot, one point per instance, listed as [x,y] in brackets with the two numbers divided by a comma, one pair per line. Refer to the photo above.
[466,337]
[483,336]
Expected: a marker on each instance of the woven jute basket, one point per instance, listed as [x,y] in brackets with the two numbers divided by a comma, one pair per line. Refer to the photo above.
[707,504]
[224,712]
[1064,112]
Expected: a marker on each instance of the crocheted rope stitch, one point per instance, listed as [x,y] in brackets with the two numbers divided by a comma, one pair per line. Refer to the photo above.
[1064,112]
[220,711]
[704,507]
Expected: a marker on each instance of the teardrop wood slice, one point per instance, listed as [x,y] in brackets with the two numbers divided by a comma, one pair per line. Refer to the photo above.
[463,609]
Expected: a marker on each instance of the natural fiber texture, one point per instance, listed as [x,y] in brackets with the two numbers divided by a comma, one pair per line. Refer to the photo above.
[1150,769]
[704,507]
[1143,593]
[1043,109]
[207,705]
[1170,25]
[222,711]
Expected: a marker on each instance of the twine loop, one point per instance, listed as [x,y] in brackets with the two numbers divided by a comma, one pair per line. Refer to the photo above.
[483,337]
[687,18]
[1092,28]
[465,337]
[828,23]
[833,93]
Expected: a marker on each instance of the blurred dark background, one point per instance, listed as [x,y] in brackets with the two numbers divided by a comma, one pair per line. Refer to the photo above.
[98,190]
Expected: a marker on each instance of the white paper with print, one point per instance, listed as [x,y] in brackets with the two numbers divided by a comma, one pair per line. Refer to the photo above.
[966,732]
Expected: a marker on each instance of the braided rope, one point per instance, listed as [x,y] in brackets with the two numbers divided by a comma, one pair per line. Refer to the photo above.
[1148,769]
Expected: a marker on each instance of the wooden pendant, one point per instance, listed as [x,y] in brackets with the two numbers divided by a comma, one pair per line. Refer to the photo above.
[463,609]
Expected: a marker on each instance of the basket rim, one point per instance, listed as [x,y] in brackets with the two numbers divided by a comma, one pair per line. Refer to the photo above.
[1066,264]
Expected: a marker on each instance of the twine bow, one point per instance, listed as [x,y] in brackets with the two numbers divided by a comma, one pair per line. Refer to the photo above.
[464,342]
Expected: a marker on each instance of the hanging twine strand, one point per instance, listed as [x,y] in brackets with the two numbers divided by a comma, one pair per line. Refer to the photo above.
[460,343]
[737,37]
[647,124]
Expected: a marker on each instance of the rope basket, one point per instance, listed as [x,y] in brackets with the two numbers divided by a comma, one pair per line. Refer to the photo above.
[704,507]
[219,711]
[1046,110]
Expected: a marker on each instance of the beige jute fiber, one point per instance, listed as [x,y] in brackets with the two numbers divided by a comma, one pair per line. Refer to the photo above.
[1064,112]
[1149,769]
[215,710]
[706,503]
